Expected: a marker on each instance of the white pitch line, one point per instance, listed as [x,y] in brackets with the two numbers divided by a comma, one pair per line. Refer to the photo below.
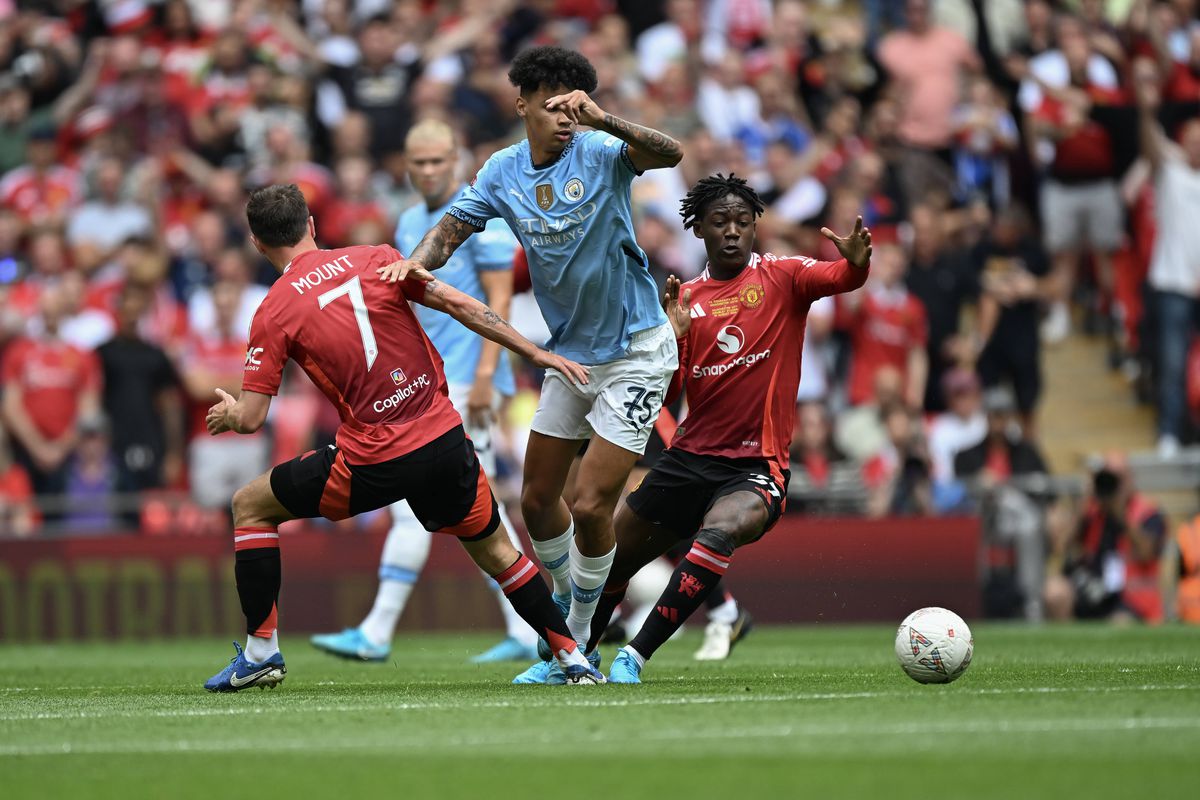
[822,731]
[558,700]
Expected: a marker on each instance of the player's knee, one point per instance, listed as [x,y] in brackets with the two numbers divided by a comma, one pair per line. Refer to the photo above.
[720,541]
[742,525]
[535,503]
[590,511]
[243,505]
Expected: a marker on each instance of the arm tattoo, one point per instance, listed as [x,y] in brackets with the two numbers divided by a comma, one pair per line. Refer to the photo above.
[648,140]
[492,318]
[441,241]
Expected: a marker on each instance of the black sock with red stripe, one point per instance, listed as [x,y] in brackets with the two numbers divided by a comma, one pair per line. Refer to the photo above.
[693,580]
[528,595]
[258,571]
[609,600]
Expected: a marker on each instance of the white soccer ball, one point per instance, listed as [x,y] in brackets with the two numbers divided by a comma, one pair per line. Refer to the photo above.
[934,645]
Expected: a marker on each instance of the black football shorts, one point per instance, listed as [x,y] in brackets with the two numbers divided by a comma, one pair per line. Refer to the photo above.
[682,487]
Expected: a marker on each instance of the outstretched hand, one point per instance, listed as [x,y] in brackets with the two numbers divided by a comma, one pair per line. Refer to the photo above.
[401,270]
[855,248]
[677,310]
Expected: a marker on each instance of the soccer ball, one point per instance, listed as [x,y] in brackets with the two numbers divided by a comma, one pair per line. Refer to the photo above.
[934,645]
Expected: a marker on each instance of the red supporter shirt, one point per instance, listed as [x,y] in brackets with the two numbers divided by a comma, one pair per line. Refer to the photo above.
[741,359]
[51,375]
[216,355]
[359,342]
[881,334]
[35,196]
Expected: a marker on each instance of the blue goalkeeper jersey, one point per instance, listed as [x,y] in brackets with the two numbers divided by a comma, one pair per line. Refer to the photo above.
[574,219]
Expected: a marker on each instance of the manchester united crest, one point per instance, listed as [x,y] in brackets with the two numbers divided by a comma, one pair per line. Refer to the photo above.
[751,296]
[545,196]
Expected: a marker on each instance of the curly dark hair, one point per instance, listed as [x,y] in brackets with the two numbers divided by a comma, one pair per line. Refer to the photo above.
[278,215]
[713,188]
[551,67]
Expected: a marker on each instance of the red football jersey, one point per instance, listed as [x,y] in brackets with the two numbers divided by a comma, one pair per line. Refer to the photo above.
[741,359]
[359,341]
[51,374]
[883,330]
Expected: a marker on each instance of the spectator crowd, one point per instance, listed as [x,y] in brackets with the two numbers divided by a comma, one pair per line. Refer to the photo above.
[1024,167]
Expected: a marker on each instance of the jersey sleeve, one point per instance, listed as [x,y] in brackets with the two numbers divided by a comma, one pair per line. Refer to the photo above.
[477,203]
[493,247]
[608,155]
[812,279]
[266,354]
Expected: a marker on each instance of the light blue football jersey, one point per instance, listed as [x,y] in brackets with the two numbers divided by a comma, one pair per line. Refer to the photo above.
[573,218]
[489,249]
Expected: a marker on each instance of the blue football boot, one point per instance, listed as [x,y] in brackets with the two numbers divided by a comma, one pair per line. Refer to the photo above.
[557,677]
[536,673]
[624,669]
[351,643]
[243,673]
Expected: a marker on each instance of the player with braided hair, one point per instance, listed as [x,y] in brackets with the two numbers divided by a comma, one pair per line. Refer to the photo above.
[723,481]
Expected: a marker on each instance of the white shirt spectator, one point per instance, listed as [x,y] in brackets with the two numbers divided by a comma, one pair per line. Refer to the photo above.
[107,225]
[1173,265]
[658,47]
[814,380]
[1051,68]
[202,316]
[949,435]
[723,110]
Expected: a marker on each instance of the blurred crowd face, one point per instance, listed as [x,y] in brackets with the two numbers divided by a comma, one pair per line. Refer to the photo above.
[132,304]
[227,296]
[888,265]
[377,44]
[354,177]
[916,14]
[47,253]
[109,176]
[548,131]
[813,428]
[727,229]
[53,307]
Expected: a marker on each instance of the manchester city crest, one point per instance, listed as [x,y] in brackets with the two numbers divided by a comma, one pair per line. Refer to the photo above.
[573,191]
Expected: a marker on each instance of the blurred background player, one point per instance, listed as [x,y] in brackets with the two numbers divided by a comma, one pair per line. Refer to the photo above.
[399,436]
[476,374]
[739,327]
[566,195]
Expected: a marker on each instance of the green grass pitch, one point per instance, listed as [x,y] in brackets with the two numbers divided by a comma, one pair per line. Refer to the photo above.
[1080,712]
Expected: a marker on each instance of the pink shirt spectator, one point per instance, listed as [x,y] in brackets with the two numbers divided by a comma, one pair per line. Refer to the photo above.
[927,68]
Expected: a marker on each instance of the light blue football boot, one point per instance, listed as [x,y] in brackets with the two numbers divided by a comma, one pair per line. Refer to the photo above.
[508,649]
[351,643]
[624,669]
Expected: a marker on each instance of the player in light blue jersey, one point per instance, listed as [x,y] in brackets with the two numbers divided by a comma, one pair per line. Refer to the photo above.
[476,374]
[565,194]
